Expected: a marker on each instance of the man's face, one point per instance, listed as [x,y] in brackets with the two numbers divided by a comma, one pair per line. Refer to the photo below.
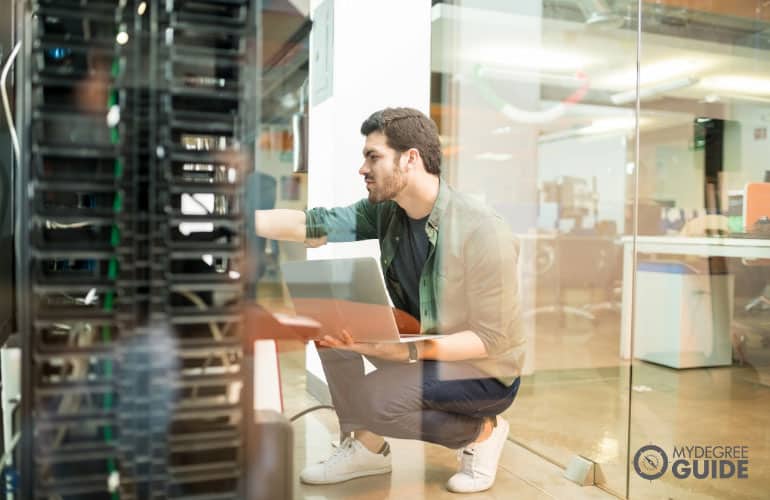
[382,173]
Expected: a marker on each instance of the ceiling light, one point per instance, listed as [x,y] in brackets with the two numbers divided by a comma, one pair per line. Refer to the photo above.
[494,156]
[654,73]
[604,125]
[653,91]
[740,84]
[142,8]
[122,38]
[524,76]
[531,58]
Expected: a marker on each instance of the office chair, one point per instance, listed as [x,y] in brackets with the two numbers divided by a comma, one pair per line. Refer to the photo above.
[578,262]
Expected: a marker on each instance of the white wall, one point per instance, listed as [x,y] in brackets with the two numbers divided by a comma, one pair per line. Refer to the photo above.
[746,157]
[380,58]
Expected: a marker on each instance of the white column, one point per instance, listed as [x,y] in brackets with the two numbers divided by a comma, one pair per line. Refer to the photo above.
[377,55]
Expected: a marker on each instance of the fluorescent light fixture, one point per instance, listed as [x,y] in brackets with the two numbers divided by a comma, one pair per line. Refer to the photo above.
[653,91]
[530,58]
[493,156]
[653,73]
[524,76]
[602,126]
[605,125]
[740,84]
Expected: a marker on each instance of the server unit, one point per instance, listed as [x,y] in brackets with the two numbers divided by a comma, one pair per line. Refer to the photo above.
[136,123]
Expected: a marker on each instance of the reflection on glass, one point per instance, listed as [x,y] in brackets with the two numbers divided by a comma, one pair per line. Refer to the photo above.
[532,101]
[701,321]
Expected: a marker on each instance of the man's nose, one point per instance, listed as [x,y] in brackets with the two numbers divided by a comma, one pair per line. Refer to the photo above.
[363,170]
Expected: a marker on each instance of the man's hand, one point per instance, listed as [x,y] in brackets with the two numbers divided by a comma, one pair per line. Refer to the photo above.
[315,242]
[386,351]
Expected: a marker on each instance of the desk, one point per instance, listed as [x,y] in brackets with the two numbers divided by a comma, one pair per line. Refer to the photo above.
[746,248]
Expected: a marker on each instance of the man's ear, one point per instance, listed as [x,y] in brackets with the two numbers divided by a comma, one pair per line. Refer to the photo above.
[403,161]
[412,157]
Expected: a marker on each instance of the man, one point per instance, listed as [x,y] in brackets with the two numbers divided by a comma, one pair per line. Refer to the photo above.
[449,261]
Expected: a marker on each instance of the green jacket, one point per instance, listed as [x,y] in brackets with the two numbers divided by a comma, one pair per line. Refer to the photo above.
[469,281]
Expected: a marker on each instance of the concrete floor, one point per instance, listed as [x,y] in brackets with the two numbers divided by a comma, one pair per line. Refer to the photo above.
[419,469]
[582,400]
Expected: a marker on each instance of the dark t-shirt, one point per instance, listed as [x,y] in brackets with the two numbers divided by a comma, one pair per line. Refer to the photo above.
[410,258]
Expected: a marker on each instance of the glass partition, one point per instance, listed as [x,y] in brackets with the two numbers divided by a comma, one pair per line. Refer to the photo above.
[536,106]
[701,327]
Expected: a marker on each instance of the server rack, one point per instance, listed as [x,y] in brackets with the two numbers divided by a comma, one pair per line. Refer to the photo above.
[135,121]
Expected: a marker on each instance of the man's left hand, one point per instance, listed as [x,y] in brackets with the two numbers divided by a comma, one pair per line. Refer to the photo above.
[387,351]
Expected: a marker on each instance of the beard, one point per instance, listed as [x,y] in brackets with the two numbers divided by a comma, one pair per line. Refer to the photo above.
[387,186]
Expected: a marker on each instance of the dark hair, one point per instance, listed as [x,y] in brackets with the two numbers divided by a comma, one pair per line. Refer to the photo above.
[407,128]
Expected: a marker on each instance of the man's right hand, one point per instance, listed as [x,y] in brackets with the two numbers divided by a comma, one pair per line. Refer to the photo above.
[283,225]
[315,242]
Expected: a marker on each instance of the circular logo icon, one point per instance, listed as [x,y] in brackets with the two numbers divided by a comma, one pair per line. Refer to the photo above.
[650,462]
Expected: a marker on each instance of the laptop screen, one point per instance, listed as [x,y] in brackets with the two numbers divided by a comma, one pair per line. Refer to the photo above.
[356,280]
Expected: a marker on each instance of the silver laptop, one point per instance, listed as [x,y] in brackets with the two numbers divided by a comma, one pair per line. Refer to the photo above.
[345,294]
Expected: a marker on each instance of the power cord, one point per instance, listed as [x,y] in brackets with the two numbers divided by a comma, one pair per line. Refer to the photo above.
[309,410]
[9,448]
[6,104]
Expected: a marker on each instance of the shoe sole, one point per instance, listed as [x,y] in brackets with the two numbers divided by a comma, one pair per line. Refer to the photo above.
[348,477]
[466,492]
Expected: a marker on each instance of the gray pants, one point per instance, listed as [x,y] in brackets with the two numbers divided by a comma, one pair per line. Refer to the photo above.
[439,402]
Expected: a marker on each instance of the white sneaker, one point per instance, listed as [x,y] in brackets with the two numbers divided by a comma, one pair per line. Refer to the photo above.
[478,462]
[349,461]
